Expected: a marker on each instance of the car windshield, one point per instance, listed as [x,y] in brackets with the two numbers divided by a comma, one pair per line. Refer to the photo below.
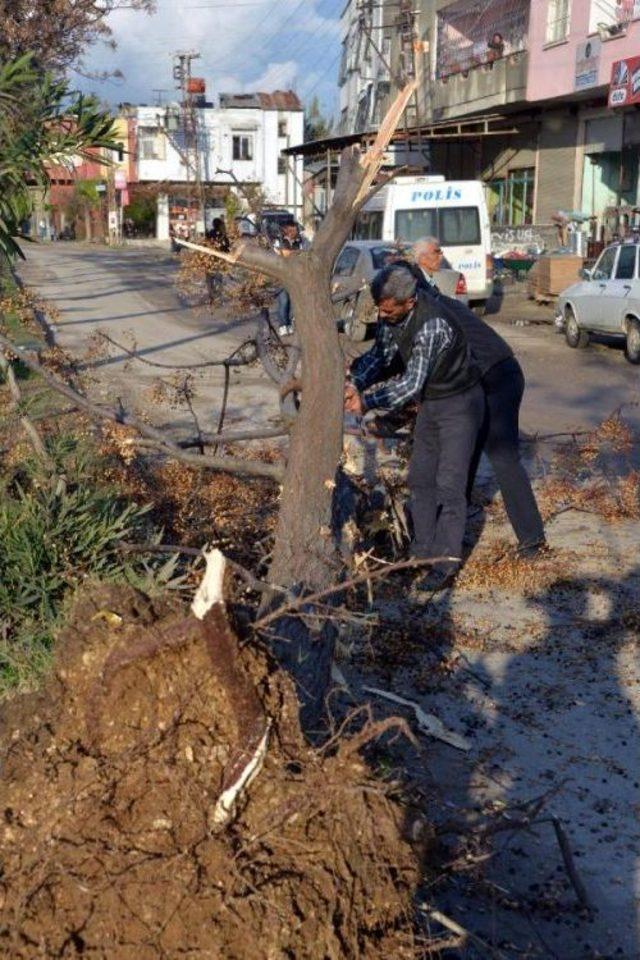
[382,256]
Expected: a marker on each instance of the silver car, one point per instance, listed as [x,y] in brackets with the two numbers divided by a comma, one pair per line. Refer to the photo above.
[606,300]
[355,268]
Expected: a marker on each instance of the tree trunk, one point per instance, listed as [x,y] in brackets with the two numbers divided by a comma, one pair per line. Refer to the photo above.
[87,224]
[305,551]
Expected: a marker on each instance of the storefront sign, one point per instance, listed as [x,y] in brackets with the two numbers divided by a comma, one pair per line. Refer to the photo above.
[587,64]
[120,180]
[625,83]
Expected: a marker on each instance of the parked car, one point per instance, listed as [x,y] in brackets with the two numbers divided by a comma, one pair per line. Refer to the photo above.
[355,268]
[606,300]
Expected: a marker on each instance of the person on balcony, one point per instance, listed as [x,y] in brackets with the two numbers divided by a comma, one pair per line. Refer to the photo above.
[495,48]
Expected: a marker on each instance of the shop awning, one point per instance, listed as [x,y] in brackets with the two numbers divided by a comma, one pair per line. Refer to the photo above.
[471,128]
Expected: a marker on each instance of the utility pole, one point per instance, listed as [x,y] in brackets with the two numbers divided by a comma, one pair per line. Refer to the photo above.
[185,83]
[409,43]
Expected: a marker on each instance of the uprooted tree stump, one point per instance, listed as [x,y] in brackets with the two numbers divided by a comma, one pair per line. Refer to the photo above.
[131,825]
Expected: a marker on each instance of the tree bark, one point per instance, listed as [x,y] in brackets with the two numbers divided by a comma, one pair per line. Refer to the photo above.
[305,552]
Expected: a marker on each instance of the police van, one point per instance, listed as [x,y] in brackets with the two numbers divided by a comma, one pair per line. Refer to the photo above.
[454,211]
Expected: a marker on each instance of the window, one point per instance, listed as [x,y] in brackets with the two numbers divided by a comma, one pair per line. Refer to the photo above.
[613,15]
[454,226]
[382,256]
[521,186]
[282,128]
[369,226]
[346,262]
[510,200]
[150,144]
[119,152]
[411,225]
[626,269]
[558,20]
[242,146]
[604,267]
[282,165]
[459,225]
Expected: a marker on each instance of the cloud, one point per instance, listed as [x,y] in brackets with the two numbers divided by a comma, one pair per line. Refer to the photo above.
[245,45]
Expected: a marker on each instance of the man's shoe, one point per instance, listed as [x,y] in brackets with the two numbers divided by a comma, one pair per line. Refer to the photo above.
[440,577]
[531,551]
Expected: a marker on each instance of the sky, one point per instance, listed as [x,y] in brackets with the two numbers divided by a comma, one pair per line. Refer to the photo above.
[245,45]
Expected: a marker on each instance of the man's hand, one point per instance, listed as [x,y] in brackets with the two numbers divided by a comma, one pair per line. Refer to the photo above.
[352,401]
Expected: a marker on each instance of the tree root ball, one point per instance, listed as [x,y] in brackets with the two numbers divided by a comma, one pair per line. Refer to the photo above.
[109,777]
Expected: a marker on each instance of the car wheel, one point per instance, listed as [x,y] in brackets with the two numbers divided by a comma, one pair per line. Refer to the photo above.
[480,308]
[575,337]
[632,346]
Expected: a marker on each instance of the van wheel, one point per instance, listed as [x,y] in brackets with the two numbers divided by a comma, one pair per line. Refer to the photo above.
[632,346]
[575,337]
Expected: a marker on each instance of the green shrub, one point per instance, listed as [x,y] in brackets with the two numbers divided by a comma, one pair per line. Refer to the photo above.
[56,535]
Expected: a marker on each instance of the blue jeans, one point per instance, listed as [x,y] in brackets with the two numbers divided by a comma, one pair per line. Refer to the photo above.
[284,308]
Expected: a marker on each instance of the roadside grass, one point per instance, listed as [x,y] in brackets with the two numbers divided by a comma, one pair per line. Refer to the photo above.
[58,531]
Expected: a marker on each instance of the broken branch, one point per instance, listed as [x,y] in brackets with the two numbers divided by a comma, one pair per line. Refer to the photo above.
[247,255]
[223,464]
[312,598]
[27,425]
[235,359]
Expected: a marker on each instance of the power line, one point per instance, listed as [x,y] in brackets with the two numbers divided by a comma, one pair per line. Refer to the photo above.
[295,53]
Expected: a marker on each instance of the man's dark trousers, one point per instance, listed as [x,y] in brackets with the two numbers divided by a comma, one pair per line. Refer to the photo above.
[444,441]
[500,437]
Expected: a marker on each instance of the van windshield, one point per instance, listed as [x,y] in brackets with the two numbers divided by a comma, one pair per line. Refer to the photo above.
[453,226]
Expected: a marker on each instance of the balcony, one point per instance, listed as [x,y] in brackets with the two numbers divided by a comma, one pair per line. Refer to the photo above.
[483,87]
[482,56]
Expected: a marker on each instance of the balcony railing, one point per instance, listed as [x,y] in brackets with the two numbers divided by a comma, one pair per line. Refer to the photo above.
[477,33]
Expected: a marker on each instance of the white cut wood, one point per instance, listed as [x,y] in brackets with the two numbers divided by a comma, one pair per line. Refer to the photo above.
[429,723]
[225,807]
[210,590]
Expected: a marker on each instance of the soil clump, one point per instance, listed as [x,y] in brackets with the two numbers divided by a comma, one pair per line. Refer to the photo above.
[109,778]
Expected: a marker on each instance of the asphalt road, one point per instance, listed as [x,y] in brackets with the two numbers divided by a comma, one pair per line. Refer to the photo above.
[129,294]
[130,291]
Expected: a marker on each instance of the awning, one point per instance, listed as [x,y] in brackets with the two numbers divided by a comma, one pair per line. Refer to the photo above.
[471,128]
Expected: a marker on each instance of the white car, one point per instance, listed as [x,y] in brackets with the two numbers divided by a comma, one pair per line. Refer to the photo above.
[606,300]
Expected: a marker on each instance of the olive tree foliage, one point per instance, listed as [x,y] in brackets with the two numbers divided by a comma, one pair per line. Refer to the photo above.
[42,123]
[57,32]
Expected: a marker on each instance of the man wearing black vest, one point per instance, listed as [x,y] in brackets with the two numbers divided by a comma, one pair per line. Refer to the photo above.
[503,382]
[420,355]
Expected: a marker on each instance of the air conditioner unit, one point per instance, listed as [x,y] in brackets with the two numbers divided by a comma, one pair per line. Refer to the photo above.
[608,30]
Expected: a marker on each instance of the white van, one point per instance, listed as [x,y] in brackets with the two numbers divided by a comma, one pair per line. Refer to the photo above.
[455,211]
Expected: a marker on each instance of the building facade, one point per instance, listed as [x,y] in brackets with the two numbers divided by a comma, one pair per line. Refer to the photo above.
[202,152]
[364,78]
[516,93]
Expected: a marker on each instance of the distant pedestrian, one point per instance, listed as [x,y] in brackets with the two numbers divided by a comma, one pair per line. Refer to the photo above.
[291,241]
[217,235]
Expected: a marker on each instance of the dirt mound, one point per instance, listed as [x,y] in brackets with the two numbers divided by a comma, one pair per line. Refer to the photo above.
[109,779]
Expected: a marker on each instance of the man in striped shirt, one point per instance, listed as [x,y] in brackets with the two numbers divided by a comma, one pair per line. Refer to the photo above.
[418,355]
